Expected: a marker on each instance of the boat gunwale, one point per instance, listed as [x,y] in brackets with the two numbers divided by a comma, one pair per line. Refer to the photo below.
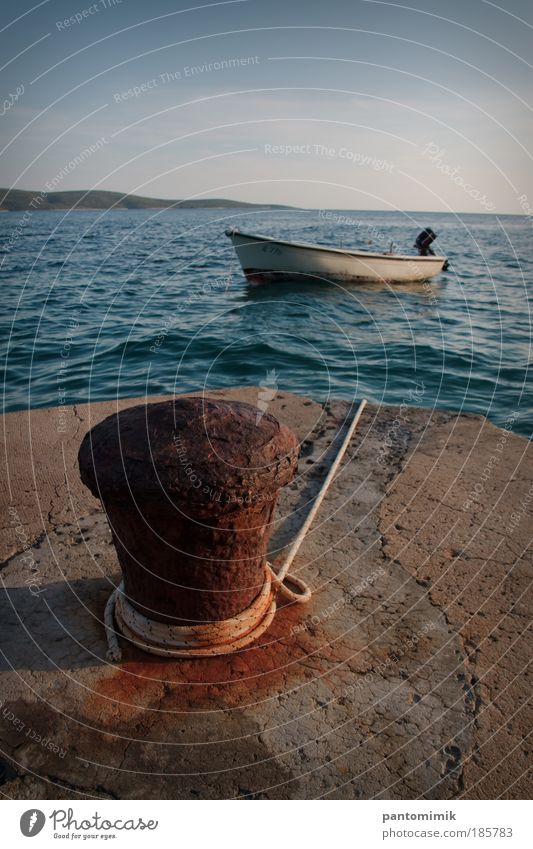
[361,254]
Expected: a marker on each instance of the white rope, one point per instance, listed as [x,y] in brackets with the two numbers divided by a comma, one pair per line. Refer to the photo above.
[214,638]
[293,551]
[227,635]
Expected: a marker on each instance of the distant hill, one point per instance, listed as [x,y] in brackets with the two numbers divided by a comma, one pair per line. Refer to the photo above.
[18,201]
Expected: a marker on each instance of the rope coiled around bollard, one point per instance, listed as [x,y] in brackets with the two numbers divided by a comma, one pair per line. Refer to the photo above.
[228,635]
[207,640]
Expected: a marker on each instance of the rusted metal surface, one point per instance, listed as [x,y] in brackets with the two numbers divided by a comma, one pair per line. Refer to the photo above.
[189,487]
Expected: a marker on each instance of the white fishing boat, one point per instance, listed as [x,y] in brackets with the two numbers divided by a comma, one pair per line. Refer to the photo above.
[266,260]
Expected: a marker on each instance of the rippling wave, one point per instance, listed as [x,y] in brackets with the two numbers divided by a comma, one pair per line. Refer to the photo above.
[100,305]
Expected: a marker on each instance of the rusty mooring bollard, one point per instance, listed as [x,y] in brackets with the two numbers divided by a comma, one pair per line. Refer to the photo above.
[189,487]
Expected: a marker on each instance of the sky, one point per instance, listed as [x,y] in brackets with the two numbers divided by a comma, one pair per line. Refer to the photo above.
[346,105]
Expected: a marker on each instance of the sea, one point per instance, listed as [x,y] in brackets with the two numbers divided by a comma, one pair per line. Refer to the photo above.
[105,304]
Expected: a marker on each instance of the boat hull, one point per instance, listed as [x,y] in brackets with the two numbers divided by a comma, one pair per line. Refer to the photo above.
[266,260]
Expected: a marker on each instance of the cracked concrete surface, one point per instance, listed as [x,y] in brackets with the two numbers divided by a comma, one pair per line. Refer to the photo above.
[457,520]
[406,676]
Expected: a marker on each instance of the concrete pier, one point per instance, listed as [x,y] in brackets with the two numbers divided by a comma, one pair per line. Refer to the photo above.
[405,677]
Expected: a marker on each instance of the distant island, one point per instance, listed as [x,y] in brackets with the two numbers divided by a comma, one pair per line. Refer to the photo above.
[18,200]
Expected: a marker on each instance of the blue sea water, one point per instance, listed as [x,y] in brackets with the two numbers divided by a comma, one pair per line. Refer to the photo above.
[106,304]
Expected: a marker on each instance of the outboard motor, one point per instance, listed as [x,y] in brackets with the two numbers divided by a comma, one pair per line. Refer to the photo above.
[424,240]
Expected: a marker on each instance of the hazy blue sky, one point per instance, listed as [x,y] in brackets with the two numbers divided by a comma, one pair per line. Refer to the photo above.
[424,107]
